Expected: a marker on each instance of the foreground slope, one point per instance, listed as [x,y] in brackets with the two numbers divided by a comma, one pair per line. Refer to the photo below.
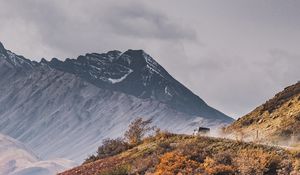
[168,154]
[277,120]
[59,109]
[16,159]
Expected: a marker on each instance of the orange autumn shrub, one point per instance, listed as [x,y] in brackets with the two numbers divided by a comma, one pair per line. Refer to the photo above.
[212,167]
[174,163]
[257,162]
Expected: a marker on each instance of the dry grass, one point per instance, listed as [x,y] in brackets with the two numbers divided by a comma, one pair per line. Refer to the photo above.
[277,121]
[183,154]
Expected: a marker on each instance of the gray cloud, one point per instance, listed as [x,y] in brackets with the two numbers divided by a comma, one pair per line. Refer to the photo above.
[69,26]
[282,66]
[137,20]
[234,54]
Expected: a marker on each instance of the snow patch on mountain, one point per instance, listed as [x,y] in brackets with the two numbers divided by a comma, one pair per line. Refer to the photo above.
[118,80]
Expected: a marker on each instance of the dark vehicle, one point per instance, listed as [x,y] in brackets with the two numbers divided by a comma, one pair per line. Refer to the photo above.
[201,131]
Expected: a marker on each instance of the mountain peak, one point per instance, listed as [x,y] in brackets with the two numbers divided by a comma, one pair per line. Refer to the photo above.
[136,73]
[133,72]
[114,53]
[133,59]
[17,61]
[2,49]
[96,93]
[135,52]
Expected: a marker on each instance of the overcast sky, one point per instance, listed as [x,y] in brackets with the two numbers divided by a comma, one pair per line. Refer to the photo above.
[235,54]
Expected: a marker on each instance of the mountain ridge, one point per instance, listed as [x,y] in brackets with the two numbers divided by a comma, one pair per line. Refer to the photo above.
[133,72]
[137,74]
[61,114]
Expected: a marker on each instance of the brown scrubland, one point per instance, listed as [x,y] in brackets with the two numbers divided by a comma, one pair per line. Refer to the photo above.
[164,153]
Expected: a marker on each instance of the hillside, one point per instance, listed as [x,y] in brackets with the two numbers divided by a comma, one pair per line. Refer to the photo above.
[277,120]
[17,159]
[65,108]
[169,154]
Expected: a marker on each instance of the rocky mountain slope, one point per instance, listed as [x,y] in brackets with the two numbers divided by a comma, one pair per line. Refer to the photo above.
[277,120]
[136,73]
[64,109]
[17,159]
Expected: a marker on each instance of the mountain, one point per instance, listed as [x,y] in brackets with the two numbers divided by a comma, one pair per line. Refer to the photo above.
[17,159]
[136,73]
[277,120]
[65,108]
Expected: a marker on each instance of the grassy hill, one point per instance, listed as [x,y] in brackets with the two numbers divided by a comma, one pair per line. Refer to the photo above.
[169,154]
[277,120]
